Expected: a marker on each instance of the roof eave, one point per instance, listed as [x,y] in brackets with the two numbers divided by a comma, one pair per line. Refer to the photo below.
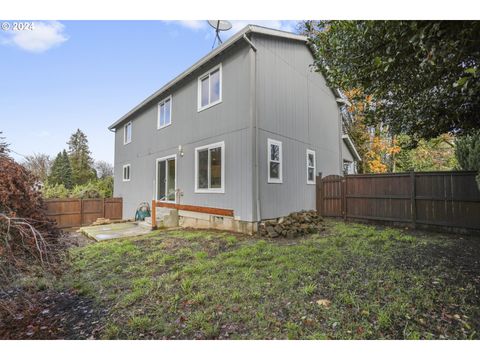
[351,145]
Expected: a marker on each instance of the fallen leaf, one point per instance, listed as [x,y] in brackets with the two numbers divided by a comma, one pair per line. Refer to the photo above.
[324,302]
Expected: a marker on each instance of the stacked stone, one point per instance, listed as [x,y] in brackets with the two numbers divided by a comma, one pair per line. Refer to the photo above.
[296,224]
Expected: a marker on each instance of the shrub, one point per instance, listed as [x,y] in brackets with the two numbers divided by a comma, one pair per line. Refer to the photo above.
[101,188]
[86,191]
[27,237]
[54,191]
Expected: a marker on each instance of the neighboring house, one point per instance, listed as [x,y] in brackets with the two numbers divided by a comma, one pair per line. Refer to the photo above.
[350,156]
[350,153]
[247,128]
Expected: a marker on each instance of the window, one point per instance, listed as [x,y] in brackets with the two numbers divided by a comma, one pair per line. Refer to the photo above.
[164,113]
[210,168]
[274,161]
[311,165]
[127,133]
[126,172]
[349,167]
[210,88]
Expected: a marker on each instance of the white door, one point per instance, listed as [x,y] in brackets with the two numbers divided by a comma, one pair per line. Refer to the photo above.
[166,179]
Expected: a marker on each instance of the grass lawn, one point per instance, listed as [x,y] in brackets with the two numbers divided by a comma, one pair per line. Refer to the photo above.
[351,282]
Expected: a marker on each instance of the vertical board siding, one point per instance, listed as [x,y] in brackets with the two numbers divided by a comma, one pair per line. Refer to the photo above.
[294,106]
[228,121]
[69,213]
[446,199]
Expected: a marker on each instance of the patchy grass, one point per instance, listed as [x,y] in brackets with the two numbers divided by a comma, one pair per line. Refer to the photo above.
[353,282]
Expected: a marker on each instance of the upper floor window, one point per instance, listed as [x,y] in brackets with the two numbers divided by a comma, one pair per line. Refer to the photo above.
[274,161]
[210,88]
[311,166]
[127,133]
[164,112]
[210,168]
[126,172]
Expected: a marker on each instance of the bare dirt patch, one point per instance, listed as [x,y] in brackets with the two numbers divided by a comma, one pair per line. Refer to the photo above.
[52,315]
[34,309]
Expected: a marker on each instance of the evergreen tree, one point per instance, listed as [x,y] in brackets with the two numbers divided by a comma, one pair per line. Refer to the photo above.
[61,173]
[3,145]
[80,159]
[467,151]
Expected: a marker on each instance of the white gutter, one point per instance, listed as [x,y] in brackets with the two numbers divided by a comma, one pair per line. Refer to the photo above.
[239,35]
[256,210]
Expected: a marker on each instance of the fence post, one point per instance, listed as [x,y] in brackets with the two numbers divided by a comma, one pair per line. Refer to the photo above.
[81,212]
[344,198]
[154,214]
[103,207]
[413,196]
[121,208]
[319,194]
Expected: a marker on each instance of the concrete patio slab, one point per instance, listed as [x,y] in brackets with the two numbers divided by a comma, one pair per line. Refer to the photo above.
[114,231]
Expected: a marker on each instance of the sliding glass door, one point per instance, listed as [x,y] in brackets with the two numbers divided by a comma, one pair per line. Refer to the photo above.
[166,179]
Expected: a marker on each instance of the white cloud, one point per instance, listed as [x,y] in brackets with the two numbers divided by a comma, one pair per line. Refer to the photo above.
[44,36]
[193,24]
[237,25]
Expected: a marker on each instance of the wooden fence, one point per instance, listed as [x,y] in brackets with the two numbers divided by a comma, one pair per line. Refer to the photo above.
[70,213]
[448,199]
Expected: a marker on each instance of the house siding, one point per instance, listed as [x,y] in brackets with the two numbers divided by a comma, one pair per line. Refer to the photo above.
[228,121]
[275,85]
[295,106]
[347,155]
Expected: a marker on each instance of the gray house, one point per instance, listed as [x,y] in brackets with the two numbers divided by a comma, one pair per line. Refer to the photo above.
[245,129]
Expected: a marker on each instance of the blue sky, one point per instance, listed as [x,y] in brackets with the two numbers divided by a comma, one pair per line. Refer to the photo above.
[86,74]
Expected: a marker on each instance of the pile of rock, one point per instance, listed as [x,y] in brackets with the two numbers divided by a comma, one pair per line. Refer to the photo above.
[296,224]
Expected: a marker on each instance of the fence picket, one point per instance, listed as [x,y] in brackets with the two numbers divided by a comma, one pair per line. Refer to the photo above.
[70,213]
[448,199]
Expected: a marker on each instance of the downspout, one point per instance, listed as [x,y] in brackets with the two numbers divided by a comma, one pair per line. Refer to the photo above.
[254,129]
[114,130]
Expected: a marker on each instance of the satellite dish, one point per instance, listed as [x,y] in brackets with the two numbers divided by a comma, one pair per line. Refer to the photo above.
[219,25]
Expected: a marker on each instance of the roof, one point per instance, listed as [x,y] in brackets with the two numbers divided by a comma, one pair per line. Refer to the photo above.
[351,147]
[227,44]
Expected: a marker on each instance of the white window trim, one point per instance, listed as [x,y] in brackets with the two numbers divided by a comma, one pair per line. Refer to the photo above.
[279,143]
[314,167]
[210,146]
[129,172]
[158,107]
[125,142]
[174,156]
[199,88]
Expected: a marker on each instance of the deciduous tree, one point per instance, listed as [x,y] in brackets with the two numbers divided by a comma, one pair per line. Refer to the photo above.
[104,169]
[423,76]
[436,154]
[39,165]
